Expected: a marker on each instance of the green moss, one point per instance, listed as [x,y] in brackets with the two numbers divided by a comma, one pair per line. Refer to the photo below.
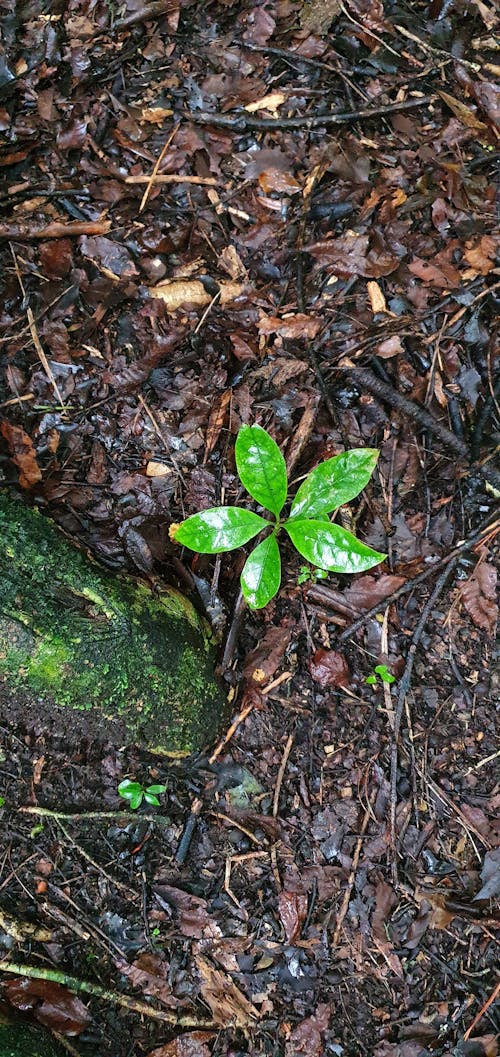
[76,635]
[18,1040]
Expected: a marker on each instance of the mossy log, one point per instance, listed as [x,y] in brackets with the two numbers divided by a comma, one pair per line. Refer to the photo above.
[19,1040]
[74,635]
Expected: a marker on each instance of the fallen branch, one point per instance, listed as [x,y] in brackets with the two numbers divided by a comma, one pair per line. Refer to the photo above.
[173,178]
[135,1005]
[245,122]
[82,816]
[55,230]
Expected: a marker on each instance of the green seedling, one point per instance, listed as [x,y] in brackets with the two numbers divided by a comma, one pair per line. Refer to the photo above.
[262,471]
[380,672]
[135,793]
[306,574]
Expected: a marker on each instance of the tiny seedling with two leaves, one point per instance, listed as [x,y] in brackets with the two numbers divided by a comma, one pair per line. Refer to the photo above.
[380,672]
[262,471]
[135,793]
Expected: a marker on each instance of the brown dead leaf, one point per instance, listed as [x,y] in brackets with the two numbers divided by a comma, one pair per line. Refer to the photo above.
[193,918]
[329,668]
[279,182]
[216,422]
[149,973]
[229,1006]
[22,452]
[464,114]
[112,257]
[479,596]
[293,326]
[157,469]
[352,255]
[56,258]
[390,347]
[481,254]
[306,1039]
[488,97]
[193,1044]
[50,1003]
[176,293]
[292,909]
[441,275]
[268,655]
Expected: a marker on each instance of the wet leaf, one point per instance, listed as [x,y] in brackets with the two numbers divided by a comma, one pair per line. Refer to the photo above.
[329,668]
[292,909]
[261,575]
[261,467]
[223,528]
[331,547]
[109,255]
[51,1004]
[334,482]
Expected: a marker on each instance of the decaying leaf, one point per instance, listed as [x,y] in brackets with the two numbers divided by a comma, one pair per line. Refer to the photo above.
[23,453]
[464,114]
[329,668]
[292,326]
[307,1038]
[479,596]
[51,1004]
[149,973]
[293,909]
[192,292]
[490,876]
[229,1006]
[193,1044]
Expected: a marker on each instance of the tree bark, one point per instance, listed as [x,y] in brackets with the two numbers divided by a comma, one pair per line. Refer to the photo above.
[75,637]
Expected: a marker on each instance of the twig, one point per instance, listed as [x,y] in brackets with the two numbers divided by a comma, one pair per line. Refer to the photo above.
[245,122]
[58,977]
[150,180]
[187,836]
[240,718]
[56,230]
[42,357]
[281,774]
[172,178]
[239,609]
[466,545]
[82,816]
[482,1011]
[404,686]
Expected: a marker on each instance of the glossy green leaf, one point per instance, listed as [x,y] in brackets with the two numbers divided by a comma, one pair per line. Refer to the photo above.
[156,789]
[150,798]
[334,482]
[261,576]
[222,528]
[331,547]
[261,467]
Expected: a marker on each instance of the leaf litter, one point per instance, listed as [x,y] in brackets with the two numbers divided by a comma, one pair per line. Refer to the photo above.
[261,258]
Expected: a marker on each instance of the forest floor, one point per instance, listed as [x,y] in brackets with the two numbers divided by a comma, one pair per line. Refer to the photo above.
[325,884]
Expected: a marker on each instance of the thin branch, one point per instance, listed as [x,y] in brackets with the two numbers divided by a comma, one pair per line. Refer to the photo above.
[245,122]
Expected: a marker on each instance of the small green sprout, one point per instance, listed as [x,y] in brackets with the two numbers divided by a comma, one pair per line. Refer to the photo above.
[262,472]
[380,672]
[135,793]
[2,801]
[306,574]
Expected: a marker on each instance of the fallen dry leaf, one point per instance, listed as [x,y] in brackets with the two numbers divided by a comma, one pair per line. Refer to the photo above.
[479,596]
[292,326]
[318,15]
[481,254]
[229,1006]
[193,1044]
[23,453]
[192,292]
